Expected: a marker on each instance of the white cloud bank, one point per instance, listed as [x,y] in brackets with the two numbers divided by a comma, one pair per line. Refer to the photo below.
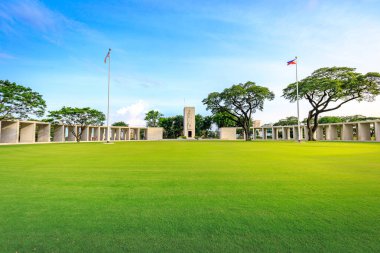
[133,114]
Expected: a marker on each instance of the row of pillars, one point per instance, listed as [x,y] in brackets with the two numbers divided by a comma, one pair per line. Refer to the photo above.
[358,131]
[97,133]
[364,131]
[32,132]
[24,132]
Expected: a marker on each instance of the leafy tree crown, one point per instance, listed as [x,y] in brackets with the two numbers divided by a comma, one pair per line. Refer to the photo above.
[19,102]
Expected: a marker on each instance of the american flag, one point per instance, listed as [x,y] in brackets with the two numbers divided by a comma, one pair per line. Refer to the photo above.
[107,56]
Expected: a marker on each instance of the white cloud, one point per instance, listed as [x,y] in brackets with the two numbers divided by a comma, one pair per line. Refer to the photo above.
[52,25]
[133,114]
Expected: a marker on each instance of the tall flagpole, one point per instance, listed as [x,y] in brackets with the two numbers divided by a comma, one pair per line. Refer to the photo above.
[298,103]
[108,106]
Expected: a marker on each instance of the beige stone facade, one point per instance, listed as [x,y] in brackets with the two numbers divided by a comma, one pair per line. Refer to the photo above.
[256,123]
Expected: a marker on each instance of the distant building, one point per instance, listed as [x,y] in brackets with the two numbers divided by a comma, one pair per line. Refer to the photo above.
[256,123]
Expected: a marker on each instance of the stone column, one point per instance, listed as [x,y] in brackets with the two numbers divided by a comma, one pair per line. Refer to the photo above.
[43,134]
[70,130]
[91,133]
[138,134]
[9,132]
[113,134]
[319,133]
[127,134]
[347,132]
[97,133]
[377,131]
[364,132]
[121,136]
[331,133]
[288,131]
[101,133]
[295,133]
[59,133]
[27,132]
[274,133]
[85,133]
[306,131]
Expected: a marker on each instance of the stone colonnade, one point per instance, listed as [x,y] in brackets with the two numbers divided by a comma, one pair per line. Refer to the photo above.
[347,131]
[35,131]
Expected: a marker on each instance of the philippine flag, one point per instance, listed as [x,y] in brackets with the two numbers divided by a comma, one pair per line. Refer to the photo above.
[294,61]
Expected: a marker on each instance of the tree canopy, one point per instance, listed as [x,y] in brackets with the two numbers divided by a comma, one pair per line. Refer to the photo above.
[173,126]
[120,123]
[338,119]
[202,125]
[330,119]
[288,121]
[152,118]
[19,102]
[74,116]
[222,119]
[327,89]
[239,102]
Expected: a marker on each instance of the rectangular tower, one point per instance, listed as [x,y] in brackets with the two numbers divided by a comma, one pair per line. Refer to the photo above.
[189,122]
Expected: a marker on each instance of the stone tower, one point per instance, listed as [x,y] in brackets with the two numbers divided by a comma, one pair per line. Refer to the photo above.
[189,122]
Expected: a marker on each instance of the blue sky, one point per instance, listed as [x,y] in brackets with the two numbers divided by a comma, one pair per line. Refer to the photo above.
[165,52]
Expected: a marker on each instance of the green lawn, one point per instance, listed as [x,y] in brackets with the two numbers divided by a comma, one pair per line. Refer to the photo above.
[180,196]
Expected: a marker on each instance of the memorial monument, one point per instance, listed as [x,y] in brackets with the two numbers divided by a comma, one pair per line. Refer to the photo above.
[189,122]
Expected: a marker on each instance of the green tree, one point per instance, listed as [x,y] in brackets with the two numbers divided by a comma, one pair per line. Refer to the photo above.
[80,117]
[173,126]
[19,102]
[152,118]
[166,123]
[288,121]
[222,119]
[120,123]
[202,125]
[327,89]
[354,118]
[330,119]
[239,102]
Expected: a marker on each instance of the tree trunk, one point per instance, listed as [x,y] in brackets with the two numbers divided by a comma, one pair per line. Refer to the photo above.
[78,135]
[312,129]
[309,128]
[246,131]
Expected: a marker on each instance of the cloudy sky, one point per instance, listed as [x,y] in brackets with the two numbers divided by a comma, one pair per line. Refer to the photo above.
[168,53]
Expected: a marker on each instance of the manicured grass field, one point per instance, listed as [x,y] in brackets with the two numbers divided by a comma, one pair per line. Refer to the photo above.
[181,196]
